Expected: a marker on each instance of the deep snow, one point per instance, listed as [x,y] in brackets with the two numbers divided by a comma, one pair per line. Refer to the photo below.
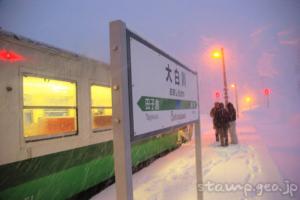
[250,162]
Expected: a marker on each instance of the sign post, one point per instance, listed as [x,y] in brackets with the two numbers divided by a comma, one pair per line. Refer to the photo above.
[198,154]
[120,113]
[152,93]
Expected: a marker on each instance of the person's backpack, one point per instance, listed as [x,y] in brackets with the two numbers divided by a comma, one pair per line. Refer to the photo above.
[221,118]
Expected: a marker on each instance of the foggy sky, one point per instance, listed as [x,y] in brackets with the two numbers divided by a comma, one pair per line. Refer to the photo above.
[261,38]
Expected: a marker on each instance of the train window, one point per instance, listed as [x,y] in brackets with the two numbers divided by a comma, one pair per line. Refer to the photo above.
[49,107]
[101,108]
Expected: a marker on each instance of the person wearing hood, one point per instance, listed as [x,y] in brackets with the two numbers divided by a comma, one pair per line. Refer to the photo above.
[232,123]
[221,122]
[212,114]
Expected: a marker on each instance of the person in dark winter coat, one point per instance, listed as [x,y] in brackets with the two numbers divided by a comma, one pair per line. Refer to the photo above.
[232,123]
[212,114]
[221,121]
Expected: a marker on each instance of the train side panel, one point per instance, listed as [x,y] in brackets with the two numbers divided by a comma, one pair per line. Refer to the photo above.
[43,61]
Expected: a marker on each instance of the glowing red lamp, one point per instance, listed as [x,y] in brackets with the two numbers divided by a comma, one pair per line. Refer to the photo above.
[217,94]
[10,56]
[267,91]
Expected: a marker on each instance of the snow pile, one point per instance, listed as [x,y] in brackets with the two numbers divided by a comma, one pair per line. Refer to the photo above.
[244,165]
[171,177]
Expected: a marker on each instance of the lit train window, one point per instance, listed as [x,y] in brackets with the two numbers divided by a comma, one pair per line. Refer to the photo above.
[101,109]
[49,107]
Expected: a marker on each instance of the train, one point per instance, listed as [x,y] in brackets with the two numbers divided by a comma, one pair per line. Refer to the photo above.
[56,125]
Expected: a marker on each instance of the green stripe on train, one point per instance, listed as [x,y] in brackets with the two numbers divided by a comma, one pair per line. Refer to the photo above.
[85,173]
[19,172]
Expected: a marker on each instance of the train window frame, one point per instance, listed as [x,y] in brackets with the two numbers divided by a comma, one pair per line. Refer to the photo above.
[23,107]
[98,130]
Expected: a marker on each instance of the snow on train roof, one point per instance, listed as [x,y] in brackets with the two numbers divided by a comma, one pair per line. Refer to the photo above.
[42,45]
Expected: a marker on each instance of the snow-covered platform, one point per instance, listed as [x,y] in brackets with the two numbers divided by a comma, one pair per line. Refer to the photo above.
[244,171]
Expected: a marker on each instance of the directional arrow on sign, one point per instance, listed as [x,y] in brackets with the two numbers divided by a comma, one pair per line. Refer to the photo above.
[147,103]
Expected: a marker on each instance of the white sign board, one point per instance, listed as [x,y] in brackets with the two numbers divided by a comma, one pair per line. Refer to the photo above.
[163,92]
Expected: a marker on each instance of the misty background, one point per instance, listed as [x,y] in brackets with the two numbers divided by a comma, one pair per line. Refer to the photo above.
[261,38]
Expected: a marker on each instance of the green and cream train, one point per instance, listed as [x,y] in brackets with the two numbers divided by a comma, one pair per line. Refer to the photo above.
[55,122]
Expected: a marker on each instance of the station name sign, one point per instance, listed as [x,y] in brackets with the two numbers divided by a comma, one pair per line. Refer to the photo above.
[163,93]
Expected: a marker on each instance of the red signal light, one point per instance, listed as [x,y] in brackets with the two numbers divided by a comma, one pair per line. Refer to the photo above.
[10,56]
[217,94]
[267,91]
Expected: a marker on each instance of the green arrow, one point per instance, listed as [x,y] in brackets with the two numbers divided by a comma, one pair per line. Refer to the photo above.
[147,103]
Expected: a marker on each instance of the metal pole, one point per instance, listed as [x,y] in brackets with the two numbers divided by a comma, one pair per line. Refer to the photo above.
[198,150]
[120,114]
[198,156]
[224,77]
